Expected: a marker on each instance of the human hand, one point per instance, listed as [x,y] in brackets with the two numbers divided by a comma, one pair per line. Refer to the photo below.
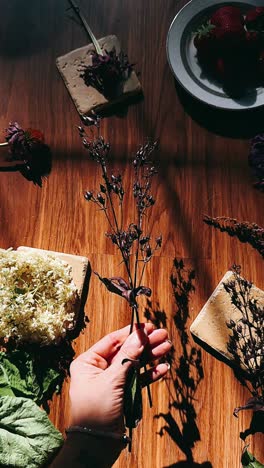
[98,376]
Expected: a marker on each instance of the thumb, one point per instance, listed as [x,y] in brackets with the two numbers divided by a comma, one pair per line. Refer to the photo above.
[130,351]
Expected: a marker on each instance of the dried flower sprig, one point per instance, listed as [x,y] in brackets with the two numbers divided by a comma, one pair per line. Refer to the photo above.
[107,72]
[246,343]
[83,22]
[256,160]
[27,147]
[134,242]
[109,69]
[244,231]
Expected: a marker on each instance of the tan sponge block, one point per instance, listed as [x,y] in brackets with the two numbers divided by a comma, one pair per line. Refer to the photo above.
[86,98]
[210,327]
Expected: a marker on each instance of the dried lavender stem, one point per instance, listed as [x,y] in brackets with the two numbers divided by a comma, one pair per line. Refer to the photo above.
[142,272]
[107,217]
[105,177]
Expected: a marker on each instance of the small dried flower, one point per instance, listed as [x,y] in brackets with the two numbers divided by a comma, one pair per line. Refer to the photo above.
[23,142]
[28,147]
[107,72]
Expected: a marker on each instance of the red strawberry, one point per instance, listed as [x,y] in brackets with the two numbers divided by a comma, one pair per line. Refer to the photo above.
[229,36]
[254,19]
[204,41]
[229,30]
[227,15]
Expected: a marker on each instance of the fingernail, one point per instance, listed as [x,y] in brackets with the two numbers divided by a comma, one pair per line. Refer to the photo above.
[169,341]
[167,364]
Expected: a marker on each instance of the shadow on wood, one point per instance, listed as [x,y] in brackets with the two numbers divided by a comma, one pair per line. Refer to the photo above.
[186,368]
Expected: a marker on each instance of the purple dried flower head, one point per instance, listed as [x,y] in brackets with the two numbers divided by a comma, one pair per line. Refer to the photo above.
[22,142]
[107,72]
[256,159]
[144,156]
[98,149]
[28,146]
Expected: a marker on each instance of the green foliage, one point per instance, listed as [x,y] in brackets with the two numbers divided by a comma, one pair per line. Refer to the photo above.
[27,437]
[249,461]
[133,399]
[20,375]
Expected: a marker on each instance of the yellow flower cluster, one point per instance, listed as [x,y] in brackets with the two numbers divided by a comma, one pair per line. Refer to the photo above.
[38,297]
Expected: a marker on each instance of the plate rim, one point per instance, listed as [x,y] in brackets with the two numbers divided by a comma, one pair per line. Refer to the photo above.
[201,5]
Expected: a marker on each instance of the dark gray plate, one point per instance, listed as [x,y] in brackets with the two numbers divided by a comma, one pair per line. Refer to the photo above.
[181,55]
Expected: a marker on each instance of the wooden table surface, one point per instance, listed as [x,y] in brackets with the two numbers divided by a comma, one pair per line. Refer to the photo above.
[203,169]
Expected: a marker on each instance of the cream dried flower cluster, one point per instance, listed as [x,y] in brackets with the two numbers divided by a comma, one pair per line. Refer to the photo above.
[37,297]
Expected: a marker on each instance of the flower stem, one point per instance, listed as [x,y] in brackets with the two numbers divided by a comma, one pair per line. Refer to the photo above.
[86,26]
[10,168]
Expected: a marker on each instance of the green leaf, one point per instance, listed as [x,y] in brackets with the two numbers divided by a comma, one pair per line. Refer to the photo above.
[5,387]
[24,377]
[19,369]
[27,437]
[249,461]
[133,399]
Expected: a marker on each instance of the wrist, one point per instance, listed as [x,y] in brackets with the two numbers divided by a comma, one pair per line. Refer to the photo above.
[100,434]
[85,447]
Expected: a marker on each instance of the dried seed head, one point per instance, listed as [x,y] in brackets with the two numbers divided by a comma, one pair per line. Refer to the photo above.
[88,196]
[100,199]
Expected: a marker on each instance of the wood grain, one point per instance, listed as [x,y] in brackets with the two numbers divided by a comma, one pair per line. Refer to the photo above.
[203,168]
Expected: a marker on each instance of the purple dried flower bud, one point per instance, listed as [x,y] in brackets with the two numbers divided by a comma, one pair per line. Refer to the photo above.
[113,237]
[239,328]
[81,129]
[90,120]
[159,241]
[151,200]
[100,198]
[144,240]
[88,195]
[102,188]
[85,143]
[148,252]
[115,188]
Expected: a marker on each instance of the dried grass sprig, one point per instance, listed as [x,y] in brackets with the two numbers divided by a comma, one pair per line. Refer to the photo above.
[245,231]
[133,241]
